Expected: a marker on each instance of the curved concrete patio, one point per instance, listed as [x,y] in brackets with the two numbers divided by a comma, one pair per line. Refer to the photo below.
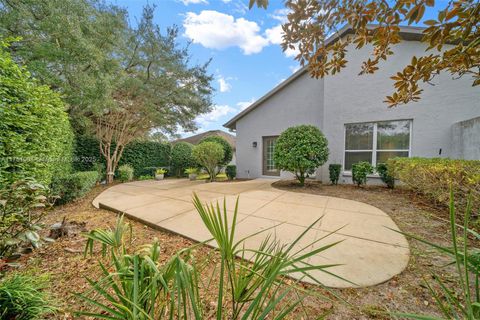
[370,252]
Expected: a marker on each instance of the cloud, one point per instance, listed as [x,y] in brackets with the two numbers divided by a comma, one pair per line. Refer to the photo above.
[216,114]
[275,36]
[216,30]
[245,104]
[224,85]
[187,2]
[280,14]
[294,68]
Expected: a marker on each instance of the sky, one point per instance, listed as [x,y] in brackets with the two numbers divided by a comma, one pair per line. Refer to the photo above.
[244,45]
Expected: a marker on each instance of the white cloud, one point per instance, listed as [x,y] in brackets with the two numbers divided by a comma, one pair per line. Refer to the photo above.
[187,2]
[216,30]
[224,85]
[245,104]
[226,1]
[275,36]
[280,14]
[217,112]
[294,68]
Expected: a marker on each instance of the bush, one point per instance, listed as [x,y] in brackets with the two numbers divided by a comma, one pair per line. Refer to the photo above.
[23,297]
[301,150]
[181,158]
[209,156]
[433,178]
[334,170]
[231,171]
[35,133]
[388,179]
[360,171]
[74,185]
[125,173]
[227,148]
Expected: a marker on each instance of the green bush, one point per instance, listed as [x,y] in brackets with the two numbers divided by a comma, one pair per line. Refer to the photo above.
[433,177]
[35,133]
[125,173]
[301,150]
[360,171]
[23,297]
[74,185]
[334,170]
[388,179]
[181,158]
[227,148]
[209,156]
[231,171]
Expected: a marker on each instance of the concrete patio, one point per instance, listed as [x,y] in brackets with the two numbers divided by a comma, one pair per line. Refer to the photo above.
[370,253]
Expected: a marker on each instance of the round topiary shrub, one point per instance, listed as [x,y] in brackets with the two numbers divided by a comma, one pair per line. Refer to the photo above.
[209,155]
[181,158]
[227,148]
[301,150]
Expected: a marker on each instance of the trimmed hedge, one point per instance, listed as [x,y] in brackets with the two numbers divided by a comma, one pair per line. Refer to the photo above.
[139,154]
[75,185]
[231,171]
[182,158]
[360,172]
[433,178]
[334,170]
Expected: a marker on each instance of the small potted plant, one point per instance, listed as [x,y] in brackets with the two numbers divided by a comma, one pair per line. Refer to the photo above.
[192,173]
[160,174]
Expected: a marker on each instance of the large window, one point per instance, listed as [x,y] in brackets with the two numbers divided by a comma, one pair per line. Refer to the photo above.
[376,142]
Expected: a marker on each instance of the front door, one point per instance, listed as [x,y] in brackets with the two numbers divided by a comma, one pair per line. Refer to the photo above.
[269,168]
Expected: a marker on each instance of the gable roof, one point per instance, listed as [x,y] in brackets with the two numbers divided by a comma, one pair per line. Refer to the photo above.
[406,32]
[198,137]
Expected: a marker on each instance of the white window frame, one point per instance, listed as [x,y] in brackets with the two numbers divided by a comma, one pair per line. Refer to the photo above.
[374,142]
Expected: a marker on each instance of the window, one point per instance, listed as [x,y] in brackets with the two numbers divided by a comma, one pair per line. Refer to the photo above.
[376,142]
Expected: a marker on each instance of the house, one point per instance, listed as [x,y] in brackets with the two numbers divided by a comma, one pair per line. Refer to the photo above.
[349,110]
[195,139]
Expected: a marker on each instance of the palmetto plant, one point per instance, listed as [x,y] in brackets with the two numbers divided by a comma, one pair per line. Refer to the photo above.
[137,286]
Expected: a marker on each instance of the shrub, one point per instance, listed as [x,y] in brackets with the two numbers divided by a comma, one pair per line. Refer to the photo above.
[23,297]
[22,207]
[148,171]
[231,171]
[74,185]
[146,177]
[161,171]
[334,170]
[181,157]
[191,171]
[125,173]
[360,171]
[35,133]
[301,150]
[434,177]
[227,148]
[388,179]
[209,155]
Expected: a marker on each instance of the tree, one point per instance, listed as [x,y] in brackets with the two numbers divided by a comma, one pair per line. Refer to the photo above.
[227,148]
[301,150]
[209,155]
[182,157]
[310,23]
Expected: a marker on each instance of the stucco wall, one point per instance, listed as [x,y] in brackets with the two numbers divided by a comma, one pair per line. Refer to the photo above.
[466,139]
[300,102]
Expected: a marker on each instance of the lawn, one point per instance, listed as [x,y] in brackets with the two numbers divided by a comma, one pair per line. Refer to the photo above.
[64,263]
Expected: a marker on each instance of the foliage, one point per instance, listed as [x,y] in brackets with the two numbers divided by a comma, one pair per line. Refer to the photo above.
[161,171]
[360,171]
[181,157]
[145,285]
[145,177]
[125,173]
[334,170]
[231,171]
[310,23]
[149,171]
[227,148]
[35,134]
[452,304]
[74,185]
[23,297]
[209,155]
[301,150]
[191,171]
[388,179]
[433,178]
[23,204]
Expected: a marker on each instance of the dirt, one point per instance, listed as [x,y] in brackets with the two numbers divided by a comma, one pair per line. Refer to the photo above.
[64,262]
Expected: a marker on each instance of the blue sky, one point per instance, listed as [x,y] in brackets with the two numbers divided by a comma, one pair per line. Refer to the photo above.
[247,60]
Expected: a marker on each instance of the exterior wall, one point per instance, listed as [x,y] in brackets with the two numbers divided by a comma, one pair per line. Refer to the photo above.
[466,139]
[300,102]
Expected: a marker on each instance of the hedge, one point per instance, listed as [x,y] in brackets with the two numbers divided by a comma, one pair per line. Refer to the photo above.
[182,158]
[74,185]
[35,133]
[434,177]
[139,154]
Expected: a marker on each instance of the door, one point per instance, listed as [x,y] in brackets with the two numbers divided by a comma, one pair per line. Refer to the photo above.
[269,168]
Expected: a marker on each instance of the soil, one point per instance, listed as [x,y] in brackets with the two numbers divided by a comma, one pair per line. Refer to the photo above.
[63,260]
